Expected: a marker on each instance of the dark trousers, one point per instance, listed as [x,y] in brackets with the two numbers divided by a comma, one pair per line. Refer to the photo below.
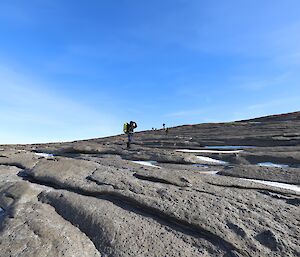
[129,139]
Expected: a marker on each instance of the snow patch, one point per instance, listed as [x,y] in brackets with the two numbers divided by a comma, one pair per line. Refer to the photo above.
[275,184]
[45,155]
[271,164]
[210,172]
[207,151]
[148,163]
[229,147]
[211,160]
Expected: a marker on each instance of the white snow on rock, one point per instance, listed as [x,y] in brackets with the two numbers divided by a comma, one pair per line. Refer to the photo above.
[1,211]
[211,160]
[147,163]
[271,164]
[45,155]
[210,172]
[207,151]
[229,147]
[275,184]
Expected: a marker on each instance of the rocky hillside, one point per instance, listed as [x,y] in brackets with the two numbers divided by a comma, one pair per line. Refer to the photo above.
[218,189]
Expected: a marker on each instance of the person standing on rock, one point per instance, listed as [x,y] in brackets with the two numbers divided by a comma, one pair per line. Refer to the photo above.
[129,130]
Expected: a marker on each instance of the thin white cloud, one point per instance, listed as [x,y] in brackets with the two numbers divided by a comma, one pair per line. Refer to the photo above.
[290,59]
[186,113]
[27,104]
[20,13]
[256,84]
[274,103]
[11,12]
[268,107]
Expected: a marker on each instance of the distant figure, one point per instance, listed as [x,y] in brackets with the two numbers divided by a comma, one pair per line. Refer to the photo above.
[164,126]
[128,129]
[167,131]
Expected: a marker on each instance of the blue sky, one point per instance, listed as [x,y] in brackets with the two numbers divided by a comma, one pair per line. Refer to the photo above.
[78,69]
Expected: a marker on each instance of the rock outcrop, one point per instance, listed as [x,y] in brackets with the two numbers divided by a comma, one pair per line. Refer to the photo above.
[88,198]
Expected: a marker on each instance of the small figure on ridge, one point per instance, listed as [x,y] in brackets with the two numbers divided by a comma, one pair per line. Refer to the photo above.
[128,129]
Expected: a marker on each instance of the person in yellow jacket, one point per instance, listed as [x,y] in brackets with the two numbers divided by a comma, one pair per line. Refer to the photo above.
[129,130]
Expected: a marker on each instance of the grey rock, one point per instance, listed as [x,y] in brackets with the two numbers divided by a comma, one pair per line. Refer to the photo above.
[90,199]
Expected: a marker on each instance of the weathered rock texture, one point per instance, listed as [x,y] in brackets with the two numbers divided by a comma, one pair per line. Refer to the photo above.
[90,199]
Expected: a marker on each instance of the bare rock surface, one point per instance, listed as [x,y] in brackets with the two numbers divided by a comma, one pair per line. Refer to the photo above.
[30,228]
[18,158]
[277,174]
[91,199]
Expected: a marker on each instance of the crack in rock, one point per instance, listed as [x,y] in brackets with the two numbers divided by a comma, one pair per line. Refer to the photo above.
[173,222]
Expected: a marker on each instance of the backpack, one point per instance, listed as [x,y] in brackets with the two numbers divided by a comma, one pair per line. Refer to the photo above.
[125,127]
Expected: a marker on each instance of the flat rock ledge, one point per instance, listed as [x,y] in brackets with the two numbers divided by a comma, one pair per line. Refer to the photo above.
[104,205]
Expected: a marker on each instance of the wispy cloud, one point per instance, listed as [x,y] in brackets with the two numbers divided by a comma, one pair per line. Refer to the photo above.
[268,107]
[12,12]
[289,59]
[256,84]
[272,104]
[186,113]
[29,107]
[20,13]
